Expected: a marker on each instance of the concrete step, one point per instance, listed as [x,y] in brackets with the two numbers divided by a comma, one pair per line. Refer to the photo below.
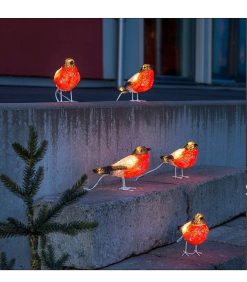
[132,223]
[224,249]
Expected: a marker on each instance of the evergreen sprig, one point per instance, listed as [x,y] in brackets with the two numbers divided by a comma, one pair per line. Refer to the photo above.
[4,263]
[37,228]
[49,259]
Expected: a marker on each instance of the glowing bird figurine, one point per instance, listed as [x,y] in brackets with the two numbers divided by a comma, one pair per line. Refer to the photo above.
[142,81]
[66,79]
[129,167]
[194,232]
[185,157]
[182,158]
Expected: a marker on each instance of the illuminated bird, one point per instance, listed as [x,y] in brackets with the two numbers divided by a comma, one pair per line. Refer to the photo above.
[129,167]
[66,79]
[183,158]
[142,81]
[194,232]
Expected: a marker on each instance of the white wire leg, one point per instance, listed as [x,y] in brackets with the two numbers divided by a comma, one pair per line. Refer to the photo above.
[185,252]
[56,95]
[71,96]
[149,171]
[196,251]
[175,174]
[137,99]
[132,97]
[124,187]
[89,189]
[182,175]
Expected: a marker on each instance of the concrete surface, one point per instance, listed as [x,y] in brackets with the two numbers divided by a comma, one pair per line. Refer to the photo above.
[82,136]
[215,254]
[26,90]
[135,222]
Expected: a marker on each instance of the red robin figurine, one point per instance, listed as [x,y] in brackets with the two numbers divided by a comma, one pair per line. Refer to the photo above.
[183,158]
[194,232]
[66,79]
[129,167]
[139,82]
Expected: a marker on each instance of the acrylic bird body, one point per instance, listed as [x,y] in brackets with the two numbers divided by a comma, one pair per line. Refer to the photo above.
[183,158]
[66,79]
[129,167]
[140,82]
[194,232]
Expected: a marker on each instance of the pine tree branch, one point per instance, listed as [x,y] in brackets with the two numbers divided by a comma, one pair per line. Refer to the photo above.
[36,181]
[49,260]
[72,228]
[27,176]
[13,228]
[41,151]
[21,151]
[12,186]
[67,198]
[32,141]
[4,263]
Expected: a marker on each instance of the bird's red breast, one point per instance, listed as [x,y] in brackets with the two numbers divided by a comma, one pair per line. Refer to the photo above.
[195,234]
[184,158]
[66,78]
[135,165]
[141,81]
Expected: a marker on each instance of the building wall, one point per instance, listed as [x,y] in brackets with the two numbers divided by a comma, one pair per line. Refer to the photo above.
[38,47]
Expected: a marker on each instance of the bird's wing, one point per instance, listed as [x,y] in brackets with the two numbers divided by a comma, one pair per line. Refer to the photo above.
[134,77]
[56,73]
[184,228]
[127,162]
[176,154]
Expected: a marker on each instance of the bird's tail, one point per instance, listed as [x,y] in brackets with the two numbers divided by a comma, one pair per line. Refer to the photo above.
[103,170]
[167,159]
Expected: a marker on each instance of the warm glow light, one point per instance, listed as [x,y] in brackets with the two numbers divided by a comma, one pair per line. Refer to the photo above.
[194,232]
[66,79]
[131,166]
[140,82]
[183,158]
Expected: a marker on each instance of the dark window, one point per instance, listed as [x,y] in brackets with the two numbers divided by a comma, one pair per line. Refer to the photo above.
[229,55]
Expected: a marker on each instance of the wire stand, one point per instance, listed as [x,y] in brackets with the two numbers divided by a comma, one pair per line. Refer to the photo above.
[149,171]
[124,187]
[59,96]
[95,185]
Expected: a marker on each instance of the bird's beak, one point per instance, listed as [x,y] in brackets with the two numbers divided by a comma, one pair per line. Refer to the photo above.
[148,149]
[196,145]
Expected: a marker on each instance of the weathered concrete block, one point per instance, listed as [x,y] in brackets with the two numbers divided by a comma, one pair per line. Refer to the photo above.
[131,223]
[215,256]
[84,135]
[215,253]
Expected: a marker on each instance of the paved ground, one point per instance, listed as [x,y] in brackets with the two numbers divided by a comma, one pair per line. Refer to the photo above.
[224,249]
[25,94]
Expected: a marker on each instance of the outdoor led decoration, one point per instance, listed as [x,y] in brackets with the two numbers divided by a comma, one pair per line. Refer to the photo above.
[194,232]
[142,81]
[66,79]
[129,167]
[183,158]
